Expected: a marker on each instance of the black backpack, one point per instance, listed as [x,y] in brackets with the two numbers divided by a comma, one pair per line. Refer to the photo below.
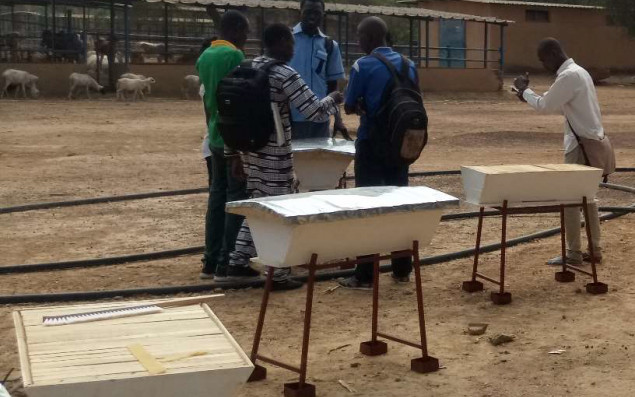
[245,120]
[400,128]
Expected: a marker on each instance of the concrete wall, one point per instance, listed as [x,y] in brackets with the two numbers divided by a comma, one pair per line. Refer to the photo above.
[466,80]
[53,80]
[585,34]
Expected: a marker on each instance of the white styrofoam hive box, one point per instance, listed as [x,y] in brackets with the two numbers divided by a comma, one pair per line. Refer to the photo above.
[320,163]
[92,359]
[336,224]
[529,184]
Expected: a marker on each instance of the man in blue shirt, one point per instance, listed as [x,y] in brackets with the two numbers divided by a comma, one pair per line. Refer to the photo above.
[318,60]
[369,79]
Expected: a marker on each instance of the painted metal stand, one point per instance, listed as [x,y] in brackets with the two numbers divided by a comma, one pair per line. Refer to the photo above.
[373,347]
[567,274]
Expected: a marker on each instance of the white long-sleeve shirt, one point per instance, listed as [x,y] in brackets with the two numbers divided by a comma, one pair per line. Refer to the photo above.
[573,95]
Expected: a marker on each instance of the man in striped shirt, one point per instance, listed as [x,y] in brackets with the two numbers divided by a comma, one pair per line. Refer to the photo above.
[270,169]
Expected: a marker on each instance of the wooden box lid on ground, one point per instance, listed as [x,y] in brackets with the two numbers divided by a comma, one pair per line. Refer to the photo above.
[336,224]
[199,356]
[529,184]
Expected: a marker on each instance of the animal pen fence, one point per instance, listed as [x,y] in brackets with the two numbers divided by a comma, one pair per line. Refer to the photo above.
[125,32]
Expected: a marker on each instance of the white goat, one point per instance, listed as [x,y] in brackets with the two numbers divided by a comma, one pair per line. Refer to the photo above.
[133,85]
[79,80]
[21,79]
[191,83]
[136,77]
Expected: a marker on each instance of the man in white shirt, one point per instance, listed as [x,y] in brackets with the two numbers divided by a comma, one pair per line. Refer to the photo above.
[572,95]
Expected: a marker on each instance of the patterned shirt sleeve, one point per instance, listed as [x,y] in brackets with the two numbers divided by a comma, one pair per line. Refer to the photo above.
[304,100]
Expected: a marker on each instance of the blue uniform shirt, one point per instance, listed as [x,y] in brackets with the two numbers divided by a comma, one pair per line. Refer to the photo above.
[312,62]
[368,80]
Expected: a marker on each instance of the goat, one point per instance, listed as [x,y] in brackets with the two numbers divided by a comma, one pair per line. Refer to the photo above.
[191,83]
[136,77]
[79,80]
[22,79]
[136,86]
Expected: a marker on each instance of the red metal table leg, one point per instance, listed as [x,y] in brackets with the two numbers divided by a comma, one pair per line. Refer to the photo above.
[425,363]
[595,287]
[374,347]
[473,285]
[502,297]
[301,388]
[260,372]
[565,276]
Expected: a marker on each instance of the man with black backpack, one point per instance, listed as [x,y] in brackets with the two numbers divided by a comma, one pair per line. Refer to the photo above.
[214,64]
[249,125]
[318,60]
[383,89]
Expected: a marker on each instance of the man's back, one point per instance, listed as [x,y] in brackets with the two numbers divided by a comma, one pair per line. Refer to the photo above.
[368,82]
[213,65]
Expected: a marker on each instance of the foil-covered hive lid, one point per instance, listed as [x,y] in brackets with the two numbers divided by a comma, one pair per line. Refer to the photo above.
[332,205]
[324,144]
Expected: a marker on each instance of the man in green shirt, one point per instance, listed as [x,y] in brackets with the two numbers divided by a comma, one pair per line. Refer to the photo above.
[221,229]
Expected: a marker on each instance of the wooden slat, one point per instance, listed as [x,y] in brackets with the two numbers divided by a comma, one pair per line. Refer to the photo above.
[108,347]
[115,356]
[83,334]
[135,369]
[229,336]
[23,351]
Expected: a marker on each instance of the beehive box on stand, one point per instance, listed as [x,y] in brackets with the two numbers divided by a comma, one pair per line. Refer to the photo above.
[320,163]
[200,358]
[529,184]
[336,224]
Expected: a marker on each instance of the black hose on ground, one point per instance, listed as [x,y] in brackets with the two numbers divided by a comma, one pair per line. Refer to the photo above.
[113,260]
[169,193]
[618,187]
[98,200]
[95,295]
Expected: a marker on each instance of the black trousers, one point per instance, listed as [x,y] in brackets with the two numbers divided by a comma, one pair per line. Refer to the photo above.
[372,171]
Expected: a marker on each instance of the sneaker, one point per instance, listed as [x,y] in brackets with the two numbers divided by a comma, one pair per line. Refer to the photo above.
[207,272]
[220,275]
[206,275]
[586,257]
[286,285]
[401,279]
[353,283]
[557,261]
[242,273]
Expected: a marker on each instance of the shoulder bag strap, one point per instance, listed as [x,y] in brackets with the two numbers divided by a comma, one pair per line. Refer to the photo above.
[388,64]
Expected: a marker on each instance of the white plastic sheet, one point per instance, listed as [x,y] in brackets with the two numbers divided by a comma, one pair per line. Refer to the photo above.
[331,205]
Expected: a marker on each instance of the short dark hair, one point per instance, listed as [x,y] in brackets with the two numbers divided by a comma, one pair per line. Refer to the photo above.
[233,21]
[302,2]
[274,33]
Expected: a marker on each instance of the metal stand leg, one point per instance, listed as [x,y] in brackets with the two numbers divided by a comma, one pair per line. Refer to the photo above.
[595,287]
[474,285]
[425,363]
[374,347]
[260,372]
[301,388]
[564,276]
[502,297]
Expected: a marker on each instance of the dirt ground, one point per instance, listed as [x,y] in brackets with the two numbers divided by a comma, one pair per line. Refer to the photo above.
[52,150]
